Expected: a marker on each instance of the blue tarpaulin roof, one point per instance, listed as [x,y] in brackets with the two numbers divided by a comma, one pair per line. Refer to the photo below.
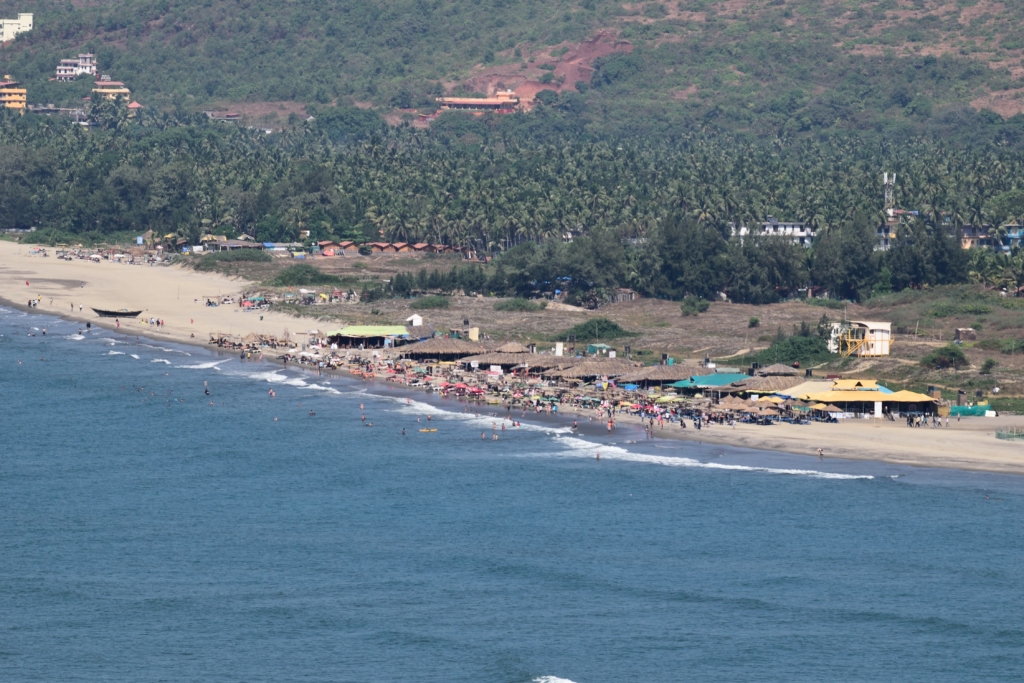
[703,381]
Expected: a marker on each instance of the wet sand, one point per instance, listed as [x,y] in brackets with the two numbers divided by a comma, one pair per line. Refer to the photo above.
[170,293]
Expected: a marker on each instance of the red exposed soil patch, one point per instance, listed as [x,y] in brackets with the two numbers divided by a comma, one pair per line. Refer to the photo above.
[572,66]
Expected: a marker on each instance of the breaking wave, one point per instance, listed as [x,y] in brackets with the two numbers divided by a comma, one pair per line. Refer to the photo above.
[203,366]
[579,448]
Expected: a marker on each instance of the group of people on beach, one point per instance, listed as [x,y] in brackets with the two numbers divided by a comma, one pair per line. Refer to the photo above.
[923,421]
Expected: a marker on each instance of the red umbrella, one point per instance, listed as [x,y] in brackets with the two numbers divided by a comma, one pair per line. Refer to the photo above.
[460,385]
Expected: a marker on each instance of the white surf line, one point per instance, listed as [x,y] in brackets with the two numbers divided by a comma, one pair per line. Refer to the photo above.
[581,448]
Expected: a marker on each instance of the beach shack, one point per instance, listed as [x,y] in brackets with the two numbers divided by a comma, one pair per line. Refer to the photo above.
[369,336]
[442,348]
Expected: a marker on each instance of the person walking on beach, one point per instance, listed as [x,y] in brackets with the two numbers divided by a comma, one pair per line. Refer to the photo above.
[821,455]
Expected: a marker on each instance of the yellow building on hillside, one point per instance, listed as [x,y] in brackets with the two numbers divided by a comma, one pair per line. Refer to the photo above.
[110,90]
[11,96]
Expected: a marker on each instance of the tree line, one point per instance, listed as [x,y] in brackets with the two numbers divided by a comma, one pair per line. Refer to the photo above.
[653,215]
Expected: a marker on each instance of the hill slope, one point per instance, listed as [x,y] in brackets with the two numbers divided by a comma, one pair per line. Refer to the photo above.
[769,66]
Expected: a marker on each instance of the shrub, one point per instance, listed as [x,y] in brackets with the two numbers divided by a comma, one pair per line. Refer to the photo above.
[520,305]
[598,329]
[210,261]
[303,275]
[988,366]
[692,305]
[754,322]
[949,356]
[430,302]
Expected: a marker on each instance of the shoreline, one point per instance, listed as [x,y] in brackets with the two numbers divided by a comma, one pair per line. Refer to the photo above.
[170,292]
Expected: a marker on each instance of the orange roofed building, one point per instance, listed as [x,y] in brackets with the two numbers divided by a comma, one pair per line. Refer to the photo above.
[11,96]
[503,102]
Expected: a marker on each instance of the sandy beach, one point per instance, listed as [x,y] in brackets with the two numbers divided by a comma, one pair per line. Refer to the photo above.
[166,292]
[177,295]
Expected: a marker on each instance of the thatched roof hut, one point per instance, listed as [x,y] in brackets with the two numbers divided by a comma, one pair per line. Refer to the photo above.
[512,347]
[763,385]
[661,374]
[593,367]
[534,361]
[777,370]
[441,347]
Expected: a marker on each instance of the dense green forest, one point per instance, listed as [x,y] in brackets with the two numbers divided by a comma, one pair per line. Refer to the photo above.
[765,67]
[561,211]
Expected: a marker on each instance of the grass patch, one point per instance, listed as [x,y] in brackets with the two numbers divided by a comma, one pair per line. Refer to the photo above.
[520,305]
[598,329]
[303,275]
[833,304]
[211,261]
[430,302]
[1007,404]
[956,310]
[1006,346]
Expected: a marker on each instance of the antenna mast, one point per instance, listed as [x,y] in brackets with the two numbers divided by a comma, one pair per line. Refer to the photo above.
[890,182]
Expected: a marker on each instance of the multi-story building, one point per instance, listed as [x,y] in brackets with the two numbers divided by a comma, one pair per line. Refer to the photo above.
[9,28]
[110,90]
[798,233]
[11,96]
[70,69]
[1006,238]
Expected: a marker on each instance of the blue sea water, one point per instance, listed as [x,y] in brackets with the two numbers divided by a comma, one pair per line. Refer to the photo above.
[147,535]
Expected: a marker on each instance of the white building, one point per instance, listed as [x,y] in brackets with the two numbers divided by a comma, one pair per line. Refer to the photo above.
[12,27]
[798,233]
[70,69]
[861,338]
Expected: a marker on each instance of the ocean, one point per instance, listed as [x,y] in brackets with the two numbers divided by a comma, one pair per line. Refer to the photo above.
[147,534]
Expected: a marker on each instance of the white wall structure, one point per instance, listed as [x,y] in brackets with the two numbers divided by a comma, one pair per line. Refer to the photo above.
[9,28]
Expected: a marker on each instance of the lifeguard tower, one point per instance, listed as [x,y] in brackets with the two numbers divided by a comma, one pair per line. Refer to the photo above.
[861,338]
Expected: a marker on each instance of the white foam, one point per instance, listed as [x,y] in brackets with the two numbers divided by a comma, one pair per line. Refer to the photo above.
[203,366]
[160,360]
[164,348]
[551,679]
[114,353]
[134,356]
[320,387]
[272,376]
[580,448]
[419,408]
[74,337]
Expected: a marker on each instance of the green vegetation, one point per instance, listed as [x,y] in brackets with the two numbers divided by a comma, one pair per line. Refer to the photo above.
[754,322]
[775,69]
[303,275]
[796,349]
[430,302]
[988,366]
[833,304]
[212,261]
[1005,346]
[520,305]
[595,330]
[949,356]
[693,305]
